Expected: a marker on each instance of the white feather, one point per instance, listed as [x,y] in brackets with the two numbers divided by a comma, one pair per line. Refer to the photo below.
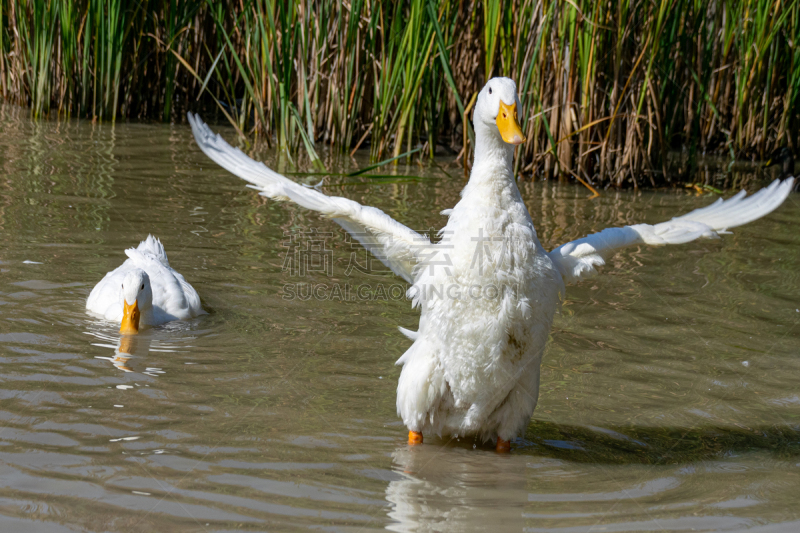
[391,242]
[577,260]
[170,295]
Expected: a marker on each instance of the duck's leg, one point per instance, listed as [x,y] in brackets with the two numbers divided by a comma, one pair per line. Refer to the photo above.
[414,437]
[503,446]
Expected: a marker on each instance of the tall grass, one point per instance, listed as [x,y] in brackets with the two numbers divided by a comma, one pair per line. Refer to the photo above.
[608,88]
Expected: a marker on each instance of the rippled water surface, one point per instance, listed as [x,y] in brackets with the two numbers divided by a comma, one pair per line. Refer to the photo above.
[670,395]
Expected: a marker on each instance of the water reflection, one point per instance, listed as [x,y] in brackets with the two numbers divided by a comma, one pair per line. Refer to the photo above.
[619,479]
[131,351]
[456,488]
[125,348]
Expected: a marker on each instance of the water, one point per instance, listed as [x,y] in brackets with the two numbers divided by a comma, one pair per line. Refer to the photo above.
[669,397]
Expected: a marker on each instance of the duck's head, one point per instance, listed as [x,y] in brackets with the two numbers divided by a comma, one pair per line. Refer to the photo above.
[137,297]
[497,109]
[782,156]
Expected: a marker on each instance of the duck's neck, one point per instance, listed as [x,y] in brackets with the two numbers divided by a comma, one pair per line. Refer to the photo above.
[493,157]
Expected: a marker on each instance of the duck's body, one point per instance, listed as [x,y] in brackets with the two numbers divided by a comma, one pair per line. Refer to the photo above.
[161,293]
[488,290]
[487,296]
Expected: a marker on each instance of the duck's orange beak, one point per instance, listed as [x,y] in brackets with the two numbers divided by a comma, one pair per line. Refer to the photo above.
[508,125]
[130,319]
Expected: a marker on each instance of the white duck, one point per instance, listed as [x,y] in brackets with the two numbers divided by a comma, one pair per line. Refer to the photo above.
[144,290]
[488,290]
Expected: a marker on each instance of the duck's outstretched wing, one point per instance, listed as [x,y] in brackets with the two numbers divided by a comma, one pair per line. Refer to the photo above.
[394,244]
[577,260]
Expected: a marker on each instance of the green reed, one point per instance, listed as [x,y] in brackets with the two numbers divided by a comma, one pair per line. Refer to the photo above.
[608,88]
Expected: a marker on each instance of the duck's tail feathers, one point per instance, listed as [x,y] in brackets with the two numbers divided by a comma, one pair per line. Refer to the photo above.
[151,245]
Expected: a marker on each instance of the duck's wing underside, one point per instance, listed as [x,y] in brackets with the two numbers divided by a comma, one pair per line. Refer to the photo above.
[397,246]
[577,260]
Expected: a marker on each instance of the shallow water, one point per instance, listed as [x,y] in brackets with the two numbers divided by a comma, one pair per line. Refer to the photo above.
[669,397]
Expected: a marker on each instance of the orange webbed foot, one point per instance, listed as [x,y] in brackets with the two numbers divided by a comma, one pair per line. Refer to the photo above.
[503,446]
[414,437]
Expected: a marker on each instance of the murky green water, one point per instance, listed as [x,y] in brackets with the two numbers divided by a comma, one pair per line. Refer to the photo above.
[670,395]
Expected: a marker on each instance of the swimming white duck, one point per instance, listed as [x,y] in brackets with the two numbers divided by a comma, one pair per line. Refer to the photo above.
[487,290]
[144,290]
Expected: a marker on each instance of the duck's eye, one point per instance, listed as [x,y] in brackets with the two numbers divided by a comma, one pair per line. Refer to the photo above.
[490,90]
[142,287]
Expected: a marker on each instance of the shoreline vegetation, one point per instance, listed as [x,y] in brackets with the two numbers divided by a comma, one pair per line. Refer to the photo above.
[608,89]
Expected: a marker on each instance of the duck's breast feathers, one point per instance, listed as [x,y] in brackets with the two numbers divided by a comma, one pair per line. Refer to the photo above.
[172,295]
